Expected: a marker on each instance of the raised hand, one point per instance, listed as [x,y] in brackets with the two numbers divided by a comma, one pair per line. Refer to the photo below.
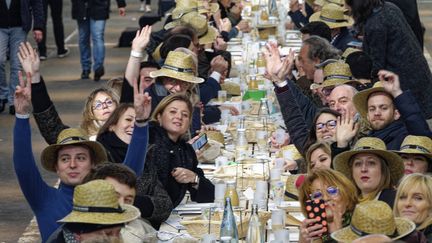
[225,25]
[141,39]
[142,102]
[22,100]
[346,130]
[182,175]
[29,61]
[276,68]
[390,82]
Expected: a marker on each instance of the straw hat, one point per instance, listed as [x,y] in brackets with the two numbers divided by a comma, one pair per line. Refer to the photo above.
[416,145]
[360,99]
[349,51]
[178,65]
[96,202]
[206,34]
[374,217]
[187,6]
[373,146]
[336,73]
[340,3]
[333,15]
[71,136]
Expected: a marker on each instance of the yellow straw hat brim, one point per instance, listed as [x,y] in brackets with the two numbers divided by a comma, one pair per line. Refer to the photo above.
[404,227]
[187,77]
[337,81]
[130,213]
[414,151]
[209,37]
[394,162]
[348,21]
[49,154]
[360,100]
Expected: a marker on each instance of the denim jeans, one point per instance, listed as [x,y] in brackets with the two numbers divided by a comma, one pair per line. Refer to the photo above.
[10,38]
[95,29]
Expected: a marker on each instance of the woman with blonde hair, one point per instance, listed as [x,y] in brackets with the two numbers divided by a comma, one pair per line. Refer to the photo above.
[170,156]
[340,198]
[414,201]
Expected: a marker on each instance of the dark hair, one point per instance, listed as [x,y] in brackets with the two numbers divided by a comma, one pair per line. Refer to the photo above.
[320,48]
[119,172]
[173,42]
[184,29]
[317,28]
[115,117]
[312,132]
[360,64]
[362,9]
[148,64]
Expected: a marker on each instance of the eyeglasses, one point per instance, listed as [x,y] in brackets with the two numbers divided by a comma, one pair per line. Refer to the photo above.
[99,104]
[331,124]
[331,190]
[174,82]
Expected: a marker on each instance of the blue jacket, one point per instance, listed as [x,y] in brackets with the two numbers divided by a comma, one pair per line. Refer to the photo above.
[342,40]
[411,122]
[299,19]
[50,204]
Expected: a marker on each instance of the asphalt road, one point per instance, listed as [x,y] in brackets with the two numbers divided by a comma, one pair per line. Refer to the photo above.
[68,94]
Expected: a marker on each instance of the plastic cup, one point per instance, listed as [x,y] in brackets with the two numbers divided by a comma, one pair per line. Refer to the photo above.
[278,219]
[275,174]
[279,163]
[280,136]
[262,187]
[209,238]
[220,191]
[221,161]
[222,96]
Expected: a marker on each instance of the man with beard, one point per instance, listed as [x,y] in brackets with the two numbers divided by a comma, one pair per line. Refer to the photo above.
[391,113]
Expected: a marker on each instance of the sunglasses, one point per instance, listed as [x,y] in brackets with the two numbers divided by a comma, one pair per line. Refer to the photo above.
[331,124]
[99,104]
[331,190]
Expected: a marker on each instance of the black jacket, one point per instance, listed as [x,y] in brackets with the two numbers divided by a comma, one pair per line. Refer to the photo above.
[342,40]
[164,155]
[94,9]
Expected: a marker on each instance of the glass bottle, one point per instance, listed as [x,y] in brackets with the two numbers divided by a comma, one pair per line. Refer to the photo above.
[255,233]
[228,230]
[241,144]
[260,64]
[231,193]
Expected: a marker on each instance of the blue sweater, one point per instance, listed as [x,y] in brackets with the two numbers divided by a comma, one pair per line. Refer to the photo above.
[48,203]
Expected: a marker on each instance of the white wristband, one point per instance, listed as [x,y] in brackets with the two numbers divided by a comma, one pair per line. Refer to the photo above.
[22,116]
[136,54]
[282,84]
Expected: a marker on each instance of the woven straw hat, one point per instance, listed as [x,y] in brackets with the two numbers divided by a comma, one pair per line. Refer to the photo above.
[336,73]
[333,15]
[373,146]
[187,6]
[374,217]
[349,51]
[206,34]
[178,65]
[71,136]
[416,145]
[360,99]
[96,202]
[340,3]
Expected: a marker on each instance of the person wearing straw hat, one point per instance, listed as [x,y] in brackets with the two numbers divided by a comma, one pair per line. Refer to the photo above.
[414,202]
[71,157]
[96,212]
[416,153]
[391,113]
[333,15]
[374,169]
[374,217]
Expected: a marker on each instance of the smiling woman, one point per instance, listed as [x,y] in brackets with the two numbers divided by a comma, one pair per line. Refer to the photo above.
[414,201]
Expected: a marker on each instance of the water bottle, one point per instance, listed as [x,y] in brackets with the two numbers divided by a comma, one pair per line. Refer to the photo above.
[255,233]
[228,230]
